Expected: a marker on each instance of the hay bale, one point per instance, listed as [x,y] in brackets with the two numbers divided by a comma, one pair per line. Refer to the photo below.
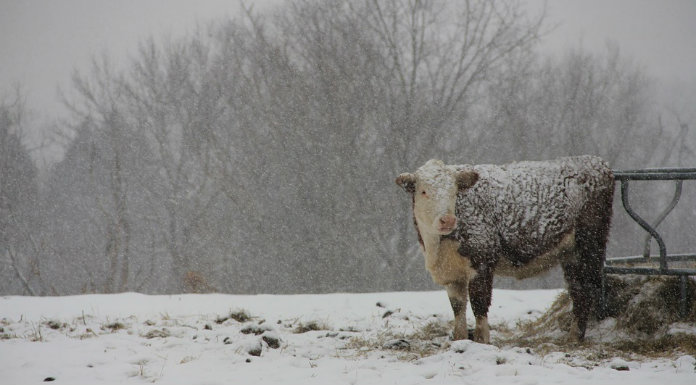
[636,307]
[656,306]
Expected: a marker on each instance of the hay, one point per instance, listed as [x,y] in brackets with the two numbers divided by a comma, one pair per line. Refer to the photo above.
[642,317]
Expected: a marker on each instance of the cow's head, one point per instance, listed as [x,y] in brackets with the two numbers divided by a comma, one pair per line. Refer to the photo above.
[434,187]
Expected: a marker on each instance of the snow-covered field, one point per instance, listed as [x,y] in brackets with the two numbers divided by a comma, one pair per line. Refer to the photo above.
[377,338]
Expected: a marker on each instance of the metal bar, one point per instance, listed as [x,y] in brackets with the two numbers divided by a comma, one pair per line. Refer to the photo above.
[678,175]
[682,299]
[662,216]
[656,174]
[651,259]
[647,271]
[656,169]
[645,225]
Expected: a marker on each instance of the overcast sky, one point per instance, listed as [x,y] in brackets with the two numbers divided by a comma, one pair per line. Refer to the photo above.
[42,41]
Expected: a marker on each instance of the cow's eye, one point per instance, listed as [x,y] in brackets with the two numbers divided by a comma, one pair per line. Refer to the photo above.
[423,193]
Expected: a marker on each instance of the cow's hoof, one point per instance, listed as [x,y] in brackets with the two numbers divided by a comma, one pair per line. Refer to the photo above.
[575,334]
[482,333]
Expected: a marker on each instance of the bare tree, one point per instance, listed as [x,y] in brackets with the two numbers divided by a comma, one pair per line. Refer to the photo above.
[583,103]
[18,195]
[325,103]
[103,169]
[176,102]
[258,154]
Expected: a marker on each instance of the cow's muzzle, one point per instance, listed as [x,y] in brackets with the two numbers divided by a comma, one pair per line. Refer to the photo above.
[446,224]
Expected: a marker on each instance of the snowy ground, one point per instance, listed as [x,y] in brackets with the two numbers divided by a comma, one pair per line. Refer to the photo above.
[378,338]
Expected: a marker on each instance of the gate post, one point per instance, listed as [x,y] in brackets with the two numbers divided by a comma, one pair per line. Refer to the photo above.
[623,265]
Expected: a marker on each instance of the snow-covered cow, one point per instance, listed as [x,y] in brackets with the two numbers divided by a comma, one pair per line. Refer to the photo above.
[518,219]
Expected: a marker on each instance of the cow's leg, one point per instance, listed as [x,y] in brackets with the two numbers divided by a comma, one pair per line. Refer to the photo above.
[480,292]
[458,293]
[584,277]
[584,272]
[592,232]
[573,272]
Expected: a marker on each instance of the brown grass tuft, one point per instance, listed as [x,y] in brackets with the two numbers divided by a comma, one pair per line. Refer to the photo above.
[114,326]
[309,327]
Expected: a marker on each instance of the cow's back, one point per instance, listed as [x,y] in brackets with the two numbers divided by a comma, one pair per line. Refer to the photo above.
[523,209]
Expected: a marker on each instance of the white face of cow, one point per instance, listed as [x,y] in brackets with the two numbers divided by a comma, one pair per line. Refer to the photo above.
[434,187]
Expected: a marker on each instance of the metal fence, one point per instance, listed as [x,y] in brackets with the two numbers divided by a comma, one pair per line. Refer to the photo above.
[627,265]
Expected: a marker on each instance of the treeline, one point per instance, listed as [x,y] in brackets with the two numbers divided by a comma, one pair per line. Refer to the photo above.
[258,154]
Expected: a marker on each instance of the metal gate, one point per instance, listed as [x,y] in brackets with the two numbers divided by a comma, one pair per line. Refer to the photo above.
[626,265]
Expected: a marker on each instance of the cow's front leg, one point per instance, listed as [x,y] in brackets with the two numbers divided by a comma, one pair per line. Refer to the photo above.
[458,293]
[480,292]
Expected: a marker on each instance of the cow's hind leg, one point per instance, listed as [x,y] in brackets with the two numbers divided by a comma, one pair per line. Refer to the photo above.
[583,270]
[458,293]
[583,273]
[574,273]
[480,292]
[591,234]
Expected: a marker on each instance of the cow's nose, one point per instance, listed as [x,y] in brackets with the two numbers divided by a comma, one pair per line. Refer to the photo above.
[448,221]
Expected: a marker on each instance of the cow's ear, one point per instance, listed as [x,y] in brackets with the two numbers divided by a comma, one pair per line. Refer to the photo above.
[407,182]
[466,179]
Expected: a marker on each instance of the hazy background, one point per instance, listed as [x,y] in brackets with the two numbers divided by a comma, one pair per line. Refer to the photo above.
[42,42]
[168,146]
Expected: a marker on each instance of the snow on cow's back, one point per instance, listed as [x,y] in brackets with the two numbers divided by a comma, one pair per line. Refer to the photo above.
[531,200]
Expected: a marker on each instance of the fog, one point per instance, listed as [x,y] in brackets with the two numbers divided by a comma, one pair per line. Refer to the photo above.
[42,42]
[169,146]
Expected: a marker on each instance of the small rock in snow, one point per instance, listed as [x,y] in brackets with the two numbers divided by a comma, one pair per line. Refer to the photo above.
[397,344]
[619,364]
[255,329]
[271,339]
[255,349]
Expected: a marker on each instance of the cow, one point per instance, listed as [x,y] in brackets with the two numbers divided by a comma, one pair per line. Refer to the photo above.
[518,219]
